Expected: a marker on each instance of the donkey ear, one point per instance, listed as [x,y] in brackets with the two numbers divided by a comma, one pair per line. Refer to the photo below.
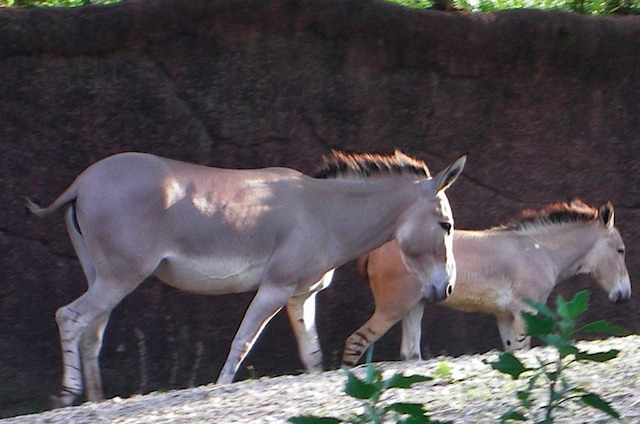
[607,214]
[448,176]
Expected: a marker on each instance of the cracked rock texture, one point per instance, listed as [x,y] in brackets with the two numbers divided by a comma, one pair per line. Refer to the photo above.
[546,105]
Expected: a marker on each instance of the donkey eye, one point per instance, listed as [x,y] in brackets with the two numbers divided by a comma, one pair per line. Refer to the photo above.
[621,251]
[446,226]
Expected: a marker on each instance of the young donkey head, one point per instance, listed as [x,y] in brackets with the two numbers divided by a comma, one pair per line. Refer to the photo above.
[425,235]
[606,260]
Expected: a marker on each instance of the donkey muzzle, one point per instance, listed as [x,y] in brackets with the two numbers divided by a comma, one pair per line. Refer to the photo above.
[435,293]
[619,296]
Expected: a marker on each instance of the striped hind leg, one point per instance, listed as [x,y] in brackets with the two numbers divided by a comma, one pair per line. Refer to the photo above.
[81,324]
[90,346]
[80,347]
[91,339]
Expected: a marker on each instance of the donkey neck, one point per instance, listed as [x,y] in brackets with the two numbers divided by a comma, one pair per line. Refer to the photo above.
[567,245]
[365,214]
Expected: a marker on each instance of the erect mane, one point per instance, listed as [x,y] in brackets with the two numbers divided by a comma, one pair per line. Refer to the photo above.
[555,213]
[366,165]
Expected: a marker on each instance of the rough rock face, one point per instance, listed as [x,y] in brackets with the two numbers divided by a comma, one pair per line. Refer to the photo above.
[546,105]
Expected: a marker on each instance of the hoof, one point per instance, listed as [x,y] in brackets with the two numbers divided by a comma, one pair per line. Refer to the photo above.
[63,400]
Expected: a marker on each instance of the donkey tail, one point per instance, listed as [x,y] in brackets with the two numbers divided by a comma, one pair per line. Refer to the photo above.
[68,196]
[362,265]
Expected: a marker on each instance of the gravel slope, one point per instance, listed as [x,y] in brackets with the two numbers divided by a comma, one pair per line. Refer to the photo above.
[476,394]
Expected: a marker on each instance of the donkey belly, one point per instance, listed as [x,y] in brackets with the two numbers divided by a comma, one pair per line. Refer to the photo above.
[210,275]
[475,293]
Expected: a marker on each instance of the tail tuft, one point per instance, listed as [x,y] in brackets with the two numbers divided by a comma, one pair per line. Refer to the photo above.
[34,208]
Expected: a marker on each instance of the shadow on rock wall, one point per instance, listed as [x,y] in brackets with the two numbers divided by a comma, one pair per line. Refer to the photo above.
[546,104]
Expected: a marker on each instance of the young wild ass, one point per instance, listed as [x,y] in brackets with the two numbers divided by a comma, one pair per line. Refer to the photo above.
[214,231]
[496,269]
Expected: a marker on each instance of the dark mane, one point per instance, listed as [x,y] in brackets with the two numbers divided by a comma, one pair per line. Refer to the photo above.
[343,165]
[555,213]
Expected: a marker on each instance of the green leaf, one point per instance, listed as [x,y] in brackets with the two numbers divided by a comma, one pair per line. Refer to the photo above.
[567,350]
[595,401]
[597,357]
[532,382]
[575,307]
[603,326]
[413,409]
[513,416]
[541,308]
[538,325]
[310,419]
[422,418]
[443,372]
[357,388]
[374,375]
[554,340]
[524,396]
[507,363]
[399,381]
[567,327]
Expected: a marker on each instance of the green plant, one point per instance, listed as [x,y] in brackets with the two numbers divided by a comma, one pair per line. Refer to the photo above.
[443,372]
[591,7]
[53,3]
[557,329]
[370,390]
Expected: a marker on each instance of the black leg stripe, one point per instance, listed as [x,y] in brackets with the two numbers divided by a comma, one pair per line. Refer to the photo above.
[362,336]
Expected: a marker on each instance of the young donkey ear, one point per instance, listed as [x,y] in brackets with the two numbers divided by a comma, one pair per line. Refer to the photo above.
[448,176]
[607,214]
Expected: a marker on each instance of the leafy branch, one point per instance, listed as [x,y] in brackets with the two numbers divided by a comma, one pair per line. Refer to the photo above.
[370,391]
[558,329]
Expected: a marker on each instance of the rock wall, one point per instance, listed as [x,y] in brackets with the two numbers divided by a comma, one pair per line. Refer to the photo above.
[546,105]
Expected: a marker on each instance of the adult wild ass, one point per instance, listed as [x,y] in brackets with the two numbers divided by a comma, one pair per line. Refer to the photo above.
[496,269]
[214,231]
